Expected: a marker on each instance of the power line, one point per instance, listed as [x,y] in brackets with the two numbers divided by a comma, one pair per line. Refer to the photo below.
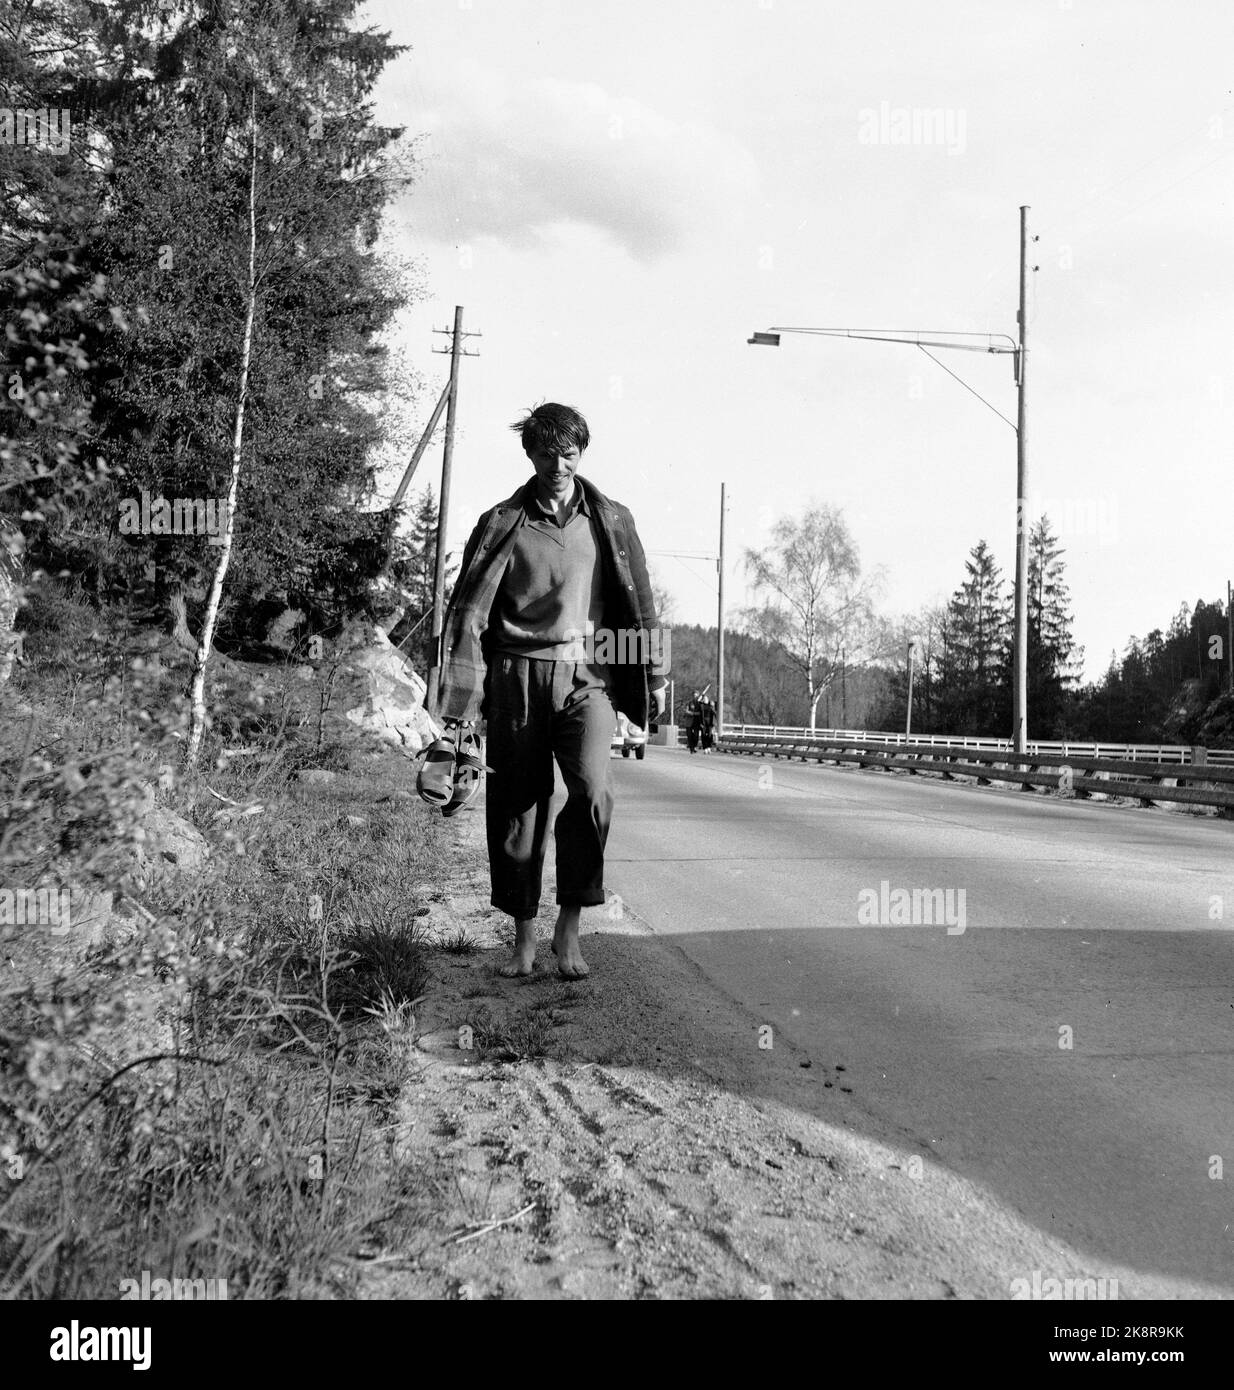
[1135,207]
[1118,182]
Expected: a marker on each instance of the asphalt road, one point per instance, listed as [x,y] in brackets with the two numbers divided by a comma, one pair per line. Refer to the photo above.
[1075,916]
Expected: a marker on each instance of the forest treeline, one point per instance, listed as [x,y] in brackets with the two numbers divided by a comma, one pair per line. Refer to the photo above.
[189,283]
[1158,689]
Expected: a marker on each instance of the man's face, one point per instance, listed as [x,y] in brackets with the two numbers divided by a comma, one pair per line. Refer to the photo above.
[555,469]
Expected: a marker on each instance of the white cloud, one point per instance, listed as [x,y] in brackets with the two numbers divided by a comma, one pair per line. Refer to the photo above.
[515,159]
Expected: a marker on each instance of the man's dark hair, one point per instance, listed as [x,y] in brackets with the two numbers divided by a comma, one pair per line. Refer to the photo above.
[553,426]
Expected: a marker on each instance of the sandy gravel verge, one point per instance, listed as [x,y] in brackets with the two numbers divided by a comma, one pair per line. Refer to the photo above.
[627,1137]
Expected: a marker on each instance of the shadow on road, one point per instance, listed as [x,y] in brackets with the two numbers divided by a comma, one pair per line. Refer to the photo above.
[1106,1137]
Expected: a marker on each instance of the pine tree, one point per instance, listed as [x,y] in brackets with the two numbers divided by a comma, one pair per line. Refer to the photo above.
[424,552]
[415,570]
[974,661]
[171,237]
[413,633]
[1052,658]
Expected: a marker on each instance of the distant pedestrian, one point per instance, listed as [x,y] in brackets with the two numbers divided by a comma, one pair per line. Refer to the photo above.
[707,719]
[694,722]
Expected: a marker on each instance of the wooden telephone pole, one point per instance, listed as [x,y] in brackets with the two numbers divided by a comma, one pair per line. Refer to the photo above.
[443,505]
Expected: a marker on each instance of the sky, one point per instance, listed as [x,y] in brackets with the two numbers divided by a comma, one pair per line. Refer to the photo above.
[618,194]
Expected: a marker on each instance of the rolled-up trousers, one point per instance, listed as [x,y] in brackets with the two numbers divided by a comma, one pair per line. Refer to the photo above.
[537,711]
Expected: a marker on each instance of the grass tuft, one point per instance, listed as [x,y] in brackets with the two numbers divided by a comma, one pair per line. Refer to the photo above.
[519,1038]
[459,943]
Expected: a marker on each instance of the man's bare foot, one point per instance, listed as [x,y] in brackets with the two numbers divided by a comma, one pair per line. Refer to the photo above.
[523,958]
[570,962]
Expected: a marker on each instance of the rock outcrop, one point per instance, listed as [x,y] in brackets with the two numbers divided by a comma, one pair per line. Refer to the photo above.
[1213,726]
[169,850]
[1184,713]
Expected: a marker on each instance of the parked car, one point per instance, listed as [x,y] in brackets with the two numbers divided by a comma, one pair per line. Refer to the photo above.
[629,737]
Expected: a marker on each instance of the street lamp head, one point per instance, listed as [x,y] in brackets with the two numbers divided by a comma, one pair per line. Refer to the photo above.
[765,340]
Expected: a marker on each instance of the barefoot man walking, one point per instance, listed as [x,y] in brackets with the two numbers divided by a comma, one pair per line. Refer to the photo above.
[550,631]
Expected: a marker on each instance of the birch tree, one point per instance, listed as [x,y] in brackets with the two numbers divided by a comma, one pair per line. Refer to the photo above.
[197,725]
[811,600]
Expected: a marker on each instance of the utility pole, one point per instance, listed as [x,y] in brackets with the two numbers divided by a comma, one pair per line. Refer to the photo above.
[443,504]
[1229,630]
[908,718]
[1019,685]
[720,627]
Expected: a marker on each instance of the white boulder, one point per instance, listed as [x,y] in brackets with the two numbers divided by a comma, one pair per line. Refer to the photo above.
[380,693]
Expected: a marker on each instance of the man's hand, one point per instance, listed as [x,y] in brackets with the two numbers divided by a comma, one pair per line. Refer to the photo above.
[658,702]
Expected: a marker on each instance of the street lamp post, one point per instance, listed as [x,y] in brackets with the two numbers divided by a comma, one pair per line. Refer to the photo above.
[995,343]
[720,625]
[1019,685]
[908,717]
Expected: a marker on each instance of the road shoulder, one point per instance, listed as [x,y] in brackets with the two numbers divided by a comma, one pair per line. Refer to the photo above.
[627,1136]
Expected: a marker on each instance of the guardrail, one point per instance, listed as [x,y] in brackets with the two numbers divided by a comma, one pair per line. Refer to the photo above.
[1136,752]
[1197,783]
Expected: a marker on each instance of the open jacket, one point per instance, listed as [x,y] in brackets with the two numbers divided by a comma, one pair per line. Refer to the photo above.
[628,604]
